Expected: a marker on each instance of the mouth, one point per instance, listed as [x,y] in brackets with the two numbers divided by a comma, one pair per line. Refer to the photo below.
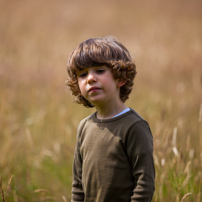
[93,89]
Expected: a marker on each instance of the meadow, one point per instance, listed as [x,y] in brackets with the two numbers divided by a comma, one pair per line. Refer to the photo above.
[38,118]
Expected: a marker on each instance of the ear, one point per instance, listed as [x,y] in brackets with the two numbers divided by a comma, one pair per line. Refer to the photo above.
[120,83]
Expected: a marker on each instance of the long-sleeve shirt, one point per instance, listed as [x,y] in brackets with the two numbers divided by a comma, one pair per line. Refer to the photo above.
[113,160]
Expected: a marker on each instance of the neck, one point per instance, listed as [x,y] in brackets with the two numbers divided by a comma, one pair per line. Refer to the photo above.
[106,112]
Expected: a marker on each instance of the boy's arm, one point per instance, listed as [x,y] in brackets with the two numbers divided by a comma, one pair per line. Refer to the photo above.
[77,189]
[140,153]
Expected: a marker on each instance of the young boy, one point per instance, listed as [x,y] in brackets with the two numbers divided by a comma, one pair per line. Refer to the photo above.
[113,159]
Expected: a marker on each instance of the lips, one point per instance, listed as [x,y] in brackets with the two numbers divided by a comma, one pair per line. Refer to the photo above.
[93,89]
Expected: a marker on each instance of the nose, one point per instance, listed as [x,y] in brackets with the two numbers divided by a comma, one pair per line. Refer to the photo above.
[91,78]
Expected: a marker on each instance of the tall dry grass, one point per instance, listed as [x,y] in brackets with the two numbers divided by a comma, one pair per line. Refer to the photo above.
[38,120]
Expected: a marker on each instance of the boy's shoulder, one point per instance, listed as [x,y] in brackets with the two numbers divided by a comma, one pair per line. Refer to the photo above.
[135,115]
[83,121]
[131,116]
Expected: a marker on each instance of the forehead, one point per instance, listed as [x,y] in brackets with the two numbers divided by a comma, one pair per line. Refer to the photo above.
[92,68]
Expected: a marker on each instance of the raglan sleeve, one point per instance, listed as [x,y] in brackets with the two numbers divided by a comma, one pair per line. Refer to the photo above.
[140,153]
[77,189]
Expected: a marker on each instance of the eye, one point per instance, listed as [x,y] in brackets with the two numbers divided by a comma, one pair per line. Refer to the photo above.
[100,71]
[82,74]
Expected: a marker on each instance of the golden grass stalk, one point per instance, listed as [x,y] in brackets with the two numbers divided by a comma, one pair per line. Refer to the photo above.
[64,198]
[174,140]
[2,191]
[9,183]
[41,190]
[185,196]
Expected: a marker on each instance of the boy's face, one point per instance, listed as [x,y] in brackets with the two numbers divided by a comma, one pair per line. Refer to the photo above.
[98,86]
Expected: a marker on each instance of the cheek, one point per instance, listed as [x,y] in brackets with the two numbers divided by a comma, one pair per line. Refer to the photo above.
[79,84]
[81,87]
[110,83]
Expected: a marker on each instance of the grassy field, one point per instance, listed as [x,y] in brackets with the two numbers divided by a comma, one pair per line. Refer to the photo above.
[38,119]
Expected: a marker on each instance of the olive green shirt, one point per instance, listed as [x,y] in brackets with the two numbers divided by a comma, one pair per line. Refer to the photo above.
[113,160]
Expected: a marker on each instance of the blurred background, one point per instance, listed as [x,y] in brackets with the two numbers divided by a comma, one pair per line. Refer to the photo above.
[38,119]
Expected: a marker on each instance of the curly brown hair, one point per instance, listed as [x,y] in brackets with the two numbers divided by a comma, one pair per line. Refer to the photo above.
[98,52]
